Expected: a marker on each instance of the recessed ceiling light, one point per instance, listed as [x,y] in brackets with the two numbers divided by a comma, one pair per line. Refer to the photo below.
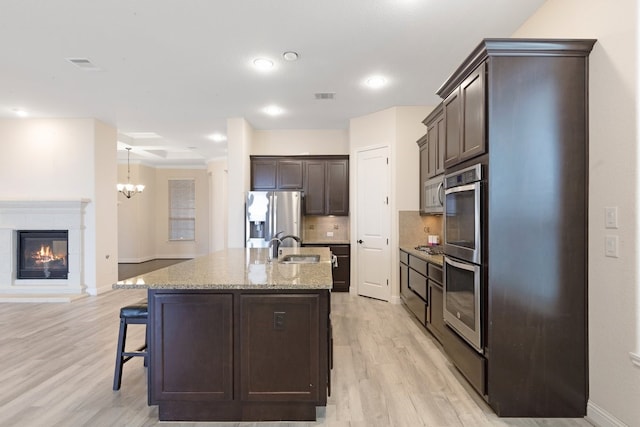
[20,112]
[217,137]
[376,82]
[290,55]
[273,110]
[263,64]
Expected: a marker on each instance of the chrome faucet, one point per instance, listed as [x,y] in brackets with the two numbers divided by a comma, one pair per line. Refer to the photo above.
[274,246]
[291,236]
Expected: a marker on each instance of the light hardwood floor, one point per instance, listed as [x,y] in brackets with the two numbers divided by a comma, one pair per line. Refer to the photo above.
[57,370]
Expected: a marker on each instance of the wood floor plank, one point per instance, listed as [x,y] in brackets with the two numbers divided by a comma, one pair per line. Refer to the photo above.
[58,362]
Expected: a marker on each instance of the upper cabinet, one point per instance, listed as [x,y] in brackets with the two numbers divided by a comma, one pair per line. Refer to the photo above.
[464,119]
[433,142]
[273,173]
[324,180]
[326,190]
[290,174]
[264,173]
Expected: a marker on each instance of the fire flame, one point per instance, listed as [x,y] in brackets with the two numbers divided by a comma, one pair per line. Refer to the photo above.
[45,255]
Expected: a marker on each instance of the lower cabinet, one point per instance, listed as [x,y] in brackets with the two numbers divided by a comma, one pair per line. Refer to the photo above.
[239,355]
[410,277]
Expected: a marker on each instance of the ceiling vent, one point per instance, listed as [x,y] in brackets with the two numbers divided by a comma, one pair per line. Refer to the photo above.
[84,64]
[325,95]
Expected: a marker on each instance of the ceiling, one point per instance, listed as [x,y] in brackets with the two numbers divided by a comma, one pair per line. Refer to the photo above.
[168,74]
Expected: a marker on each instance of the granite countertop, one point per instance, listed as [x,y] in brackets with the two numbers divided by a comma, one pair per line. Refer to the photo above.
[239,269]
[434,259]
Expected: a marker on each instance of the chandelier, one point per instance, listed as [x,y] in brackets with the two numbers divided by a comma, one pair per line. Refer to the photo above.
[129,189]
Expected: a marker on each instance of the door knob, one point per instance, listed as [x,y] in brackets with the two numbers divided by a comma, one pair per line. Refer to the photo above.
[360,241]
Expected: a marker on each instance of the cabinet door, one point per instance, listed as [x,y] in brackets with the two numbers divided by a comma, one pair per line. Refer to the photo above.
[337,187]
[263,174]
[180,371]
[435,314]
[280,342]
[314,191]
[440,148]
[341,274]
[452,123]
[432,144]
[424,169]
[290,174]
[472,93]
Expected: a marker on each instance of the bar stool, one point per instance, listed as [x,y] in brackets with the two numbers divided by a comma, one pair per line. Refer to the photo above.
[138,314]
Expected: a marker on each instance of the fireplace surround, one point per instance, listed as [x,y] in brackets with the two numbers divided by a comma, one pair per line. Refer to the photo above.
[38,216]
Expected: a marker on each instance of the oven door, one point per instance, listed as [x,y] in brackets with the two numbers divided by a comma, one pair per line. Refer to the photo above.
[462,310]
[462,222]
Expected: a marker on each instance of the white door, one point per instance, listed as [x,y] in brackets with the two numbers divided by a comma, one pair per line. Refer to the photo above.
[373,223]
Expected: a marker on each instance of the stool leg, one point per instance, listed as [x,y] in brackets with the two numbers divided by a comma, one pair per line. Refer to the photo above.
[122,336]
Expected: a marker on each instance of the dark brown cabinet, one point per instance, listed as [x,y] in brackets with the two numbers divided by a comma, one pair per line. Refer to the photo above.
[412,284]
[314,190]
[280,348]
[264,174]
[435,316]
[464,119]
[239,355]
[290,174]
[326,190]
[519,108]
[273,173]
[324,180]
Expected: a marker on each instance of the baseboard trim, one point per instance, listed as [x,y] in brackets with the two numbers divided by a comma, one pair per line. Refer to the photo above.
[601,418]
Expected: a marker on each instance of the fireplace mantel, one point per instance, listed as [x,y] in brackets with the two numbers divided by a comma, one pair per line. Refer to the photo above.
[42,215]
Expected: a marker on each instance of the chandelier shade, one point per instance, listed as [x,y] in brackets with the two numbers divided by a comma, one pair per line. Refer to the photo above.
[129,189]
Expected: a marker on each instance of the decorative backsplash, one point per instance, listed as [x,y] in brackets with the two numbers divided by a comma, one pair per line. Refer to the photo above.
[325,228]
[414,229]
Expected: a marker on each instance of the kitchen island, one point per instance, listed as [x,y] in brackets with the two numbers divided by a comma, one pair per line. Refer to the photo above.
[234,337]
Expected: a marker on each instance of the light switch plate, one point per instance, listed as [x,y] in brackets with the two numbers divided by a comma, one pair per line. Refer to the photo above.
[611,246]
[611,217]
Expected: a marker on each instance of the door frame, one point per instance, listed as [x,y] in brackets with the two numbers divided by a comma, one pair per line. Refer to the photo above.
[353,185]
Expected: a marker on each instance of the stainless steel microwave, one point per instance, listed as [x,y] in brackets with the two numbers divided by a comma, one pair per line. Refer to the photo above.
[433,193]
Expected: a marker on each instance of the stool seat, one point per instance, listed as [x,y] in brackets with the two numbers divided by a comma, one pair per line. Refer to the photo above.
[136,314]
[138,310]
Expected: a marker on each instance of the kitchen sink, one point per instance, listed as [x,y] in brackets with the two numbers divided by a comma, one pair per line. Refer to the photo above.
[299,259]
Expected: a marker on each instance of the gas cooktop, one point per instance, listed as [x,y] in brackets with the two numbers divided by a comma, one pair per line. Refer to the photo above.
[431,250]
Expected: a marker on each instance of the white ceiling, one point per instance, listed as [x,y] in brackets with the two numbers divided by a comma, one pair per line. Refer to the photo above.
[179,69]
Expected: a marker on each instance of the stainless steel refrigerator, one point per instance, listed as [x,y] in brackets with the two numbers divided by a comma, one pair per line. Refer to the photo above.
[272,212]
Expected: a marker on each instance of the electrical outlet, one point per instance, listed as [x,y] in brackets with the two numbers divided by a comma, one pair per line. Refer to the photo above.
[278,320]
[611,246]
[329,233]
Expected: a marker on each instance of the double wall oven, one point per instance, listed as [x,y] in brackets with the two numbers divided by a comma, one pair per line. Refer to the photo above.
[463,260]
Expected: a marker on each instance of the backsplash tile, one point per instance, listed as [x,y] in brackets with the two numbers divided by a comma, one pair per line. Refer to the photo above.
[414,228]
[315,228]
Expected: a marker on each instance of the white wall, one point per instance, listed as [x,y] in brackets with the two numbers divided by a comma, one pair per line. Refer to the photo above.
[239,140]
[67,159]
[300,142]
[614,294]
[106,220]
[218,203]
[399,128]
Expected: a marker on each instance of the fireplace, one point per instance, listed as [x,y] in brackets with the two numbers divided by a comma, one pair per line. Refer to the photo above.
[42,254]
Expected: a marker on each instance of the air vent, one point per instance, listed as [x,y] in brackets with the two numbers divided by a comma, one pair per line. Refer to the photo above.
[84,64]
[325,95]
